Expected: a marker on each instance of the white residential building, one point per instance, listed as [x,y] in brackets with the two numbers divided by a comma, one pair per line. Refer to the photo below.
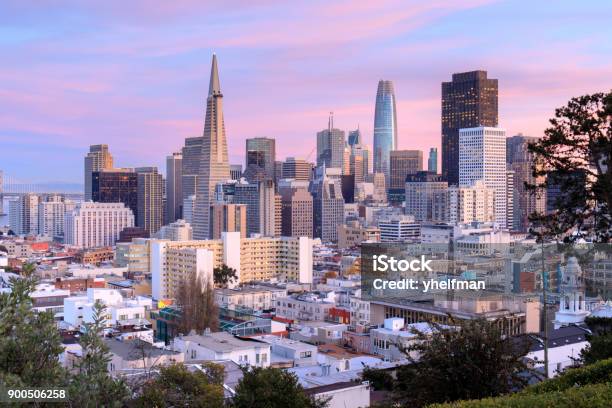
[51,214]
[296,352]
[23,214]
[310,306]
[92,225]
[482,156]
[469,204]
[399,229]
[223,346]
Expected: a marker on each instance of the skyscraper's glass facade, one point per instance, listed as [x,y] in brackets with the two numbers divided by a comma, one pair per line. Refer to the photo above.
[385,127]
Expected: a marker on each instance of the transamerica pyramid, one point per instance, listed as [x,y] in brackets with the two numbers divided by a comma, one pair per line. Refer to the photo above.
[214,163]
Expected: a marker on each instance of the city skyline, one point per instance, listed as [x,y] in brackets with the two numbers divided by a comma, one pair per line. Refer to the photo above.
[87,79]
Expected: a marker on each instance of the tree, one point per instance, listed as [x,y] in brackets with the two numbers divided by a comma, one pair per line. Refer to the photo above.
[198,308]
[28,269]
[574,155]
[92,386]
[600,340]
[176,386]
[380,380]
[30,344]
[224,275]
[468,360]
[272,387]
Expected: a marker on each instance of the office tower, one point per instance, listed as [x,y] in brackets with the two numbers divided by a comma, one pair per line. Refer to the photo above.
[255,170]
[426,197]
[399,228]
[359,162]
[296,209]
[228,217]
[98,159]
[267,147]
[92,225]
[174,187]
[51,213]
[328,208]
[354,137]
[262,212]
[510,193]
[188,205]
[347,183]
[468,101]
[482,156]
[296,169]
[192,152]
[469,204]
[214,166]
[432,161]
[520,160]
[403,163]
[278,171]
[380,187]
[179,230]
[235,171]
[150,209]
[116,186]
[23,214]
[385,127]
[330,146]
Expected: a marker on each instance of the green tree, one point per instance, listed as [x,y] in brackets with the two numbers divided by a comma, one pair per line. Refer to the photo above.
[575,155]
[600,340]
[28,269]
[272,387]
[176,386]
[380,380]
[467,360]
[198,308]
[224,275]
[30,344]
[91,385]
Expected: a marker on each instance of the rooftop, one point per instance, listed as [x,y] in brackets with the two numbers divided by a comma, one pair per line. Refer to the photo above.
[222,342]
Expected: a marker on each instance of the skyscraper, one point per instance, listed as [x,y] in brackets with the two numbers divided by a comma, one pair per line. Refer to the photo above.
[174,187]
[426,197]
[482,156]
[296,210]
[214,164]
[192,153]
[98,158]
[228,217]
[267,147]
[235,171]
[116,186]
[330,146]
[297,169]
[403,163]
[354,137]
[328,208]
[469,101]
[520,160]
[92,225]
[432,161]
[150,208]
[385,127]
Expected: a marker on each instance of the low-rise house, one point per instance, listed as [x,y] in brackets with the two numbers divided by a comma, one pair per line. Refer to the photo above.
[343,394]
[130,357]
[318,332]
[296,352]
[310,306]
[223,346]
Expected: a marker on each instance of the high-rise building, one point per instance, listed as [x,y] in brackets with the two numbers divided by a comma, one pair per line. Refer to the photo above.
[482,156]
[380,187]
[469,204]
[510,194]
[263,210]
[150,192]
[328,208]
[116,186]
[192,153]
[359,162]
[51,211]
[174,187]
[188,205]
[520,160]
[235,171]
[354,137]
[432,161]
[267,147]
[214,164]
[23,214]
[228,217]
[385,127]
[468,101]
[426,197]
[98,159]
[92,225]
[297,207]
[296,169]
[403,163]
[179,230]
[330,146]
[255,170]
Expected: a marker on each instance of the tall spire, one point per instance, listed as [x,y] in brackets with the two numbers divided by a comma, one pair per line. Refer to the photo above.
[214,88]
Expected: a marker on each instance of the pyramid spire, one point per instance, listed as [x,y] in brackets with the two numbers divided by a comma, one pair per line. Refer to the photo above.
[215,87]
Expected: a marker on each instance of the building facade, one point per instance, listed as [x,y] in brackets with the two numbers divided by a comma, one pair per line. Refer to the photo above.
[174,187]
[92,225]
[385,127]
[98,159]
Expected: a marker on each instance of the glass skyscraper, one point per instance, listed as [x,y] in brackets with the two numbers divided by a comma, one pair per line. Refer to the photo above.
[385,127]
